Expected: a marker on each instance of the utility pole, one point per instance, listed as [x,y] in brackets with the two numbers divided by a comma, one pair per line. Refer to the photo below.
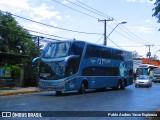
[105,30]
[38,38]
[38,45]
[149,53]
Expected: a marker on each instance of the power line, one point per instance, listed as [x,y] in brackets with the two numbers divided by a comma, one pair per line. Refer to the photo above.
[4,27]
[125,36]
[87,14]
[52,25]
[47,34]
[132,46]
[52,39]
[115,44]
[137,46]
[105,30]
[132,38]
[76,10]
[30,35]
[87,9]
[99,39]
[59,27]
[133,35]
[94,9]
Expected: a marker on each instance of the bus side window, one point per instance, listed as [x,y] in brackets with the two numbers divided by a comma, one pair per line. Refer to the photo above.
[77,48]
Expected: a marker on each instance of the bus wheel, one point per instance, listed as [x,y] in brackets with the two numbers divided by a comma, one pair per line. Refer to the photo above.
[82,89]
[121,85]
[58,92]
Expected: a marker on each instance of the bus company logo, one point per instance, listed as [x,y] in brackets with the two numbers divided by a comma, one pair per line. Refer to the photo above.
[93,61]
[121,69]
[103,61]
[6,114]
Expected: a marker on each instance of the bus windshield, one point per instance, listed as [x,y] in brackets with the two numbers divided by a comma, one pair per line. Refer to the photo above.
[142,71]
[54,70]
[55,50]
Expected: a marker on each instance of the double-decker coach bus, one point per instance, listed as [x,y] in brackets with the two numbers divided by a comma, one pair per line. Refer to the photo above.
[79,65]
[145,69]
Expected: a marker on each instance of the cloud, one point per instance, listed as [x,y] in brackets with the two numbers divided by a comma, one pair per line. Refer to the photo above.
[151,1]
[45,12]
[141,29]
[148,21]
[68,16]
[26,7]
[23,4]
[14,6]
[142,1]
[40,28]
[35,10]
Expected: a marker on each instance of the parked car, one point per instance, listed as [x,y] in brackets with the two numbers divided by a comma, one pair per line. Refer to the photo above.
[143,81]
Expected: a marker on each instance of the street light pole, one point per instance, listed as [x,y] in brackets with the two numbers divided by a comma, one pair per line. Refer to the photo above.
[115,28]
[105,31]
[38,43]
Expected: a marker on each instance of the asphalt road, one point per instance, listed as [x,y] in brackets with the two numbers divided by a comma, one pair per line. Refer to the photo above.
[130,99]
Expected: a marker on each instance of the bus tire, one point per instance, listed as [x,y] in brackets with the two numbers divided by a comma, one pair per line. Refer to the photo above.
[58,92]
[119,85]
[123,85]
[82,88]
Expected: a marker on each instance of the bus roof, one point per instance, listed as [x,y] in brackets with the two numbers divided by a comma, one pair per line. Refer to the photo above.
[100,45]
[146,66]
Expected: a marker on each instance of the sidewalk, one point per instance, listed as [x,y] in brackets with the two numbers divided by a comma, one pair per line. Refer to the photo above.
[4,91]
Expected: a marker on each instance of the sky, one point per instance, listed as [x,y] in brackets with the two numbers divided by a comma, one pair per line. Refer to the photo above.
[140,30]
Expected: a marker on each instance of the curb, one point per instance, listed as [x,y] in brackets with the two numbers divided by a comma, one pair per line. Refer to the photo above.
[17,92]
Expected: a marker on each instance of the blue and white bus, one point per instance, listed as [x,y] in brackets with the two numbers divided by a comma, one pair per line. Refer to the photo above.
[79,65]
[145,69]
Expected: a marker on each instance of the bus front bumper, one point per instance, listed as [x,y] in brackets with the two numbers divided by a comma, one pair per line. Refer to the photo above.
[51,86]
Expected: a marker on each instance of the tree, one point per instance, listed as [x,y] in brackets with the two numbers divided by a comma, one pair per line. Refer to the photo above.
[157,10]
[136,55]
[14,38]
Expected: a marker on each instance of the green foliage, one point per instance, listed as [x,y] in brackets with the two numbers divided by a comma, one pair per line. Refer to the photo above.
[15,39]
[157,10]
[15,70]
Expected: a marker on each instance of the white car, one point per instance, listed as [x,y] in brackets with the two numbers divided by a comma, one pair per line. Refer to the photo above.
[144,81]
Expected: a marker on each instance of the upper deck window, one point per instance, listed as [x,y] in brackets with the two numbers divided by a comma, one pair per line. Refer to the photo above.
[77,48]
[104,52]
[55,50]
